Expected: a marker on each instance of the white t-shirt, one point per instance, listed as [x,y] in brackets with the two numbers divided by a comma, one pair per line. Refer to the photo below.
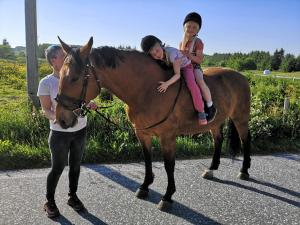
[49,86]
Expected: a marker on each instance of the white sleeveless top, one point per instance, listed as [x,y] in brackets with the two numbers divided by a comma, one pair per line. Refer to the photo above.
[49,86]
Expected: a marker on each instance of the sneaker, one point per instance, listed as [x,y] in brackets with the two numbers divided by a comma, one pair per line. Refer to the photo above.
[211,113]
[201,118]
[51,209]
[75,203]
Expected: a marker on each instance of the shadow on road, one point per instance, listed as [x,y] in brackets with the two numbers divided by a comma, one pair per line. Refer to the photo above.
[62,220]
[178,210]
[286,200]
[91,218]
[86,215]
[285,190]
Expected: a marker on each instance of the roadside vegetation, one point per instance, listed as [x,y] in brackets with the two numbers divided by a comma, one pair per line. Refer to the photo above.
[24,130]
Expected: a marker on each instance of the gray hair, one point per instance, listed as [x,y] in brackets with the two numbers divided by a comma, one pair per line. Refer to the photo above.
[51,52]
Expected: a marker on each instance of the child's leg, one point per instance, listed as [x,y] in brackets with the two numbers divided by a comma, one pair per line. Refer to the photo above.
[195,92]
[203,87]
[211,110]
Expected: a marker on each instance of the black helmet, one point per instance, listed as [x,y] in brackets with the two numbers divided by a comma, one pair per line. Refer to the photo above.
[148,42]
[195,17]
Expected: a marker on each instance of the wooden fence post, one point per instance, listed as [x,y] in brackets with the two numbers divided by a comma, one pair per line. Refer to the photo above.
[286,107]
[31,51]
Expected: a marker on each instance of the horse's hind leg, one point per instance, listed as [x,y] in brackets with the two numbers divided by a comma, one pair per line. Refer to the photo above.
[168,145]
[244,133]
[218,139]
[143,190]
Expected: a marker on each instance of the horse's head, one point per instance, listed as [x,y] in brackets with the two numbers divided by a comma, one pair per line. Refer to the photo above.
[78,84]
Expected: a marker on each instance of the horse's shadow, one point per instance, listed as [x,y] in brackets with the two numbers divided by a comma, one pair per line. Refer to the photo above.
[85,214]
[178,210]
[287,191]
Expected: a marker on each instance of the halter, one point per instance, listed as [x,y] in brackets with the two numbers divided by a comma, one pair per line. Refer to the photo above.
[78,106]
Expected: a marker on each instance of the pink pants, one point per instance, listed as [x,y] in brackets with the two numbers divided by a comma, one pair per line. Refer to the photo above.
[188,73]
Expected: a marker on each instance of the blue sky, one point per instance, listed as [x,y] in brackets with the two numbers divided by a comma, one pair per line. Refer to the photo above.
[228,25]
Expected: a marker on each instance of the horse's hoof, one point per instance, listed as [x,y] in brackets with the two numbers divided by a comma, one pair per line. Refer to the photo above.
[243,176]
[141,193]
[208,174]
[164,205]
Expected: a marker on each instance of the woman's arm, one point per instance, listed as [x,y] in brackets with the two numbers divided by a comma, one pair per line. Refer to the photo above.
[46,107]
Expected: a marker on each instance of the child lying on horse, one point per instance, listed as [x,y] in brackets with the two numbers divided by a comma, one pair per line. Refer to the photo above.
[172,56]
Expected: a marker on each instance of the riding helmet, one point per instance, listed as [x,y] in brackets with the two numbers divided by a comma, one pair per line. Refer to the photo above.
[148,42]
[195,17]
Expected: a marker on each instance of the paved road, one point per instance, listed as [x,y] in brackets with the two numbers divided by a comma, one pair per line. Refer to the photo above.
[272,196]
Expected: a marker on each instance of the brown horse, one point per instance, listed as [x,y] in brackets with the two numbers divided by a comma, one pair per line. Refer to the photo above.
[133,77]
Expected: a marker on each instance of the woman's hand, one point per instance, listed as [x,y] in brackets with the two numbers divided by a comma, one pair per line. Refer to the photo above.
[162,87]
[92,106]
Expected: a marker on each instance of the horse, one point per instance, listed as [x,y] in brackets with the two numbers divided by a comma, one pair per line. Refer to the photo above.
[133,77]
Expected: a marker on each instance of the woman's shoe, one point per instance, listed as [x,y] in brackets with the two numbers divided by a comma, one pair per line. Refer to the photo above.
[51,209]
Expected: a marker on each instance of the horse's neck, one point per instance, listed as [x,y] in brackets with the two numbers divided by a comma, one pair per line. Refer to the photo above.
[134,82]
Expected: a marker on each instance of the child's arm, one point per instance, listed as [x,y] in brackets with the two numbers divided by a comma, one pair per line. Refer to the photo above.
[198,57]
[165,84]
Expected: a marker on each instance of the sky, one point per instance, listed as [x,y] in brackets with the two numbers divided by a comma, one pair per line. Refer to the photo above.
[228,25]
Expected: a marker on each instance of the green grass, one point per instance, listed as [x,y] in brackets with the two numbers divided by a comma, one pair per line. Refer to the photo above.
[24,133]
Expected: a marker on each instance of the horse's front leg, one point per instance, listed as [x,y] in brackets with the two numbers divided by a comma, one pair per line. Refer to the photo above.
[168,145]
[143,190]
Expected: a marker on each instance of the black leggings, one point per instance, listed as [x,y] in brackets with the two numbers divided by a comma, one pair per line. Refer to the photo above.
[61,145]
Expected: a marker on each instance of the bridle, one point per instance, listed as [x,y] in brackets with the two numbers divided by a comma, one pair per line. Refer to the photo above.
[78,106]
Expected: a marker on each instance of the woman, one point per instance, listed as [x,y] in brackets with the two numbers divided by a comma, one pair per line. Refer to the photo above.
[64,144]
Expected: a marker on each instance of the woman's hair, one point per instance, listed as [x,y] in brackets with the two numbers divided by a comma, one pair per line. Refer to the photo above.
[51,52]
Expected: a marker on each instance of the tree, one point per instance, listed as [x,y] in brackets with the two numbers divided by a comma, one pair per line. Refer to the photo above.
[5,42]
[41,50]
[288,63]
[277,59]
[262,59]
[6,52]
[297,66]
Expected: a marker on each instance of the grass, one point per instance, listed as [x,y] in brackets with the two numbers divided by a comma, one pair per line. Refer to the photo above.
[24,133]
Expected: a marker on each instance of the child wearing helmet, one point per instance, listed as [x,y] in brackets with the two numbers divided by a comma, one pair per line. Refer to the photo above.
[172,56]
[192,47]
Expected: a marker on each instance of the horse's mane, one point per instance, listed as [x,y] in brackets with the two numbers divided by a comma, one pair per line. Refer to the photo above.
[111,57]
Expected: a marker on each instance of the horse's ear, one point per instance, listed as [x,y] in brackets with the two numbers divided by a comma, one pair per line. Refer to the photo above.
[86,49]
[65,47]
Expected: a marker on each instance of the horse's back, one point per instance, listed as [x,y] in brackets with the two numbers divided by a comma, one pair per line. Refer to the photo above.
[230,93]
[230,89]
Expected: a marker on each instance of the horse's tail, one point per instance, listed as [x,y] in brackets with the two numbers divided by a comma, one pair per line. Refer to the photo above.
[234,141]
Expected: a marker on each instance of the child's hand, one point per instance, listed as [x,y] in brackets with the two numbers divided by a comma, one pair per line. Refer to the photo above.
[92,106]
[185,53]
[162,87]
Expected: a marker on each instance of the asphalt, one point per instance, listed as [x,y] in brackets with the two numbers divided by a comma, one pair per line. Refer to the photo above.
[272,196]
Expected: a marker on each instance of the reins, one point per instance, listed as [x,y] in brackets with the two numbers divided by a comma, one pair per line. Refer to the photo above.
[169,113]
